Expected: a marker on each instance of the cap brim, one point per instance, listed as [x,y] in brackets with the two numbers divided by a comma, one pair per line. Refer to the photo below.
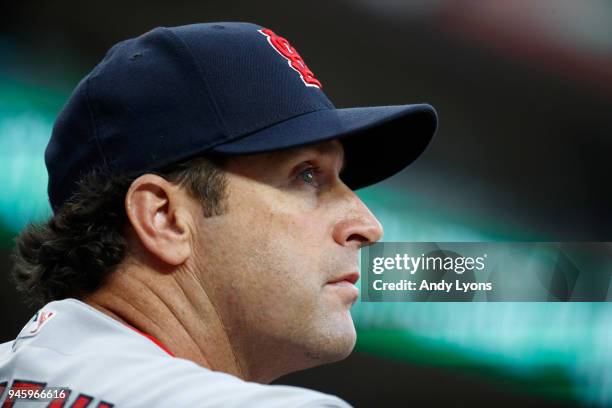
[378,141]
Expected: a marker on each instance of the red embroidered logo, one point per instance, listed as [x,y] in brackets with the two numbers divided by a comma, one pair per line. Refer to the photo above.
[294,60]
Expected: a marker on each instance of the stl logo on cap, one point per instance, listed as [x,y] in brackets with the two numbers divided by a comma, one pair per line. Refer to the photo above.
[294,59]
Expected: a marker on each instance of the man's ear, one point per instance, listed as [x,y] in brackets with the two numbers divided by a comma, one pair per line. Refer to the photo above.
[157,213]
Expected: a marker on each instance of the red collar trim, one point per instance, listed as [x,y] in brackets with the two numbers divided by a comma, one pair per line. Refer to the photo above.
[153,339]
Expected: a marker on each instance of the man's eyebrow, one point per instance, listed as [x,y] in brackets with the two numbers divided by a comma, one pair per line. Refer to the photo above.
[322,151]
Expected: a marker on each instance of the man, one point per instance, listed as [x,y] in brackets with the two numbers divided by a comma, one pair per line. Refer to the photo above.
[205,233]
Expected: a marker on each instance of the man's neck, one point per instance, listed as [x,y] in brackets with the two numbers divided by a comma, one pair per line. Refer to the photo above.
[174,309]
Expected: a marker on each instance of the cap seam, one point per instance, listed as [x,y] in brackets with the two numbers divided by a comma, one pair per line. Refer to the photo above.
[262,124]
[93,123]
[201,70]
[96,141]
[241,136]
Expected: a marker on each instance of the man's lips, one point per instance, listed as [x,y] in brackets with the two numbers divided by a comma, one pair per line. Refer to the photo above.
[350,278]
[345,285]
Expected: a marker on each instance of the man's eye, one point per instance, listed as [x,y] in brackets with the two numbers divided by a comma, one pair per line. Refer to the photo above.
[308,176]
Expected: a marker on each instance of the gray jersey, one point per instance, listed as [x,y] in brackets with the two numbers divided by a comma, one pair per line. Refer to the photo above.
[84,358]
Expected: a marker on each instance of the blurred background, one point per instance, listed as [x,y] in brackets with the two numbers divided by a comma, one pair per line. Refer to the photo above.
[524,94]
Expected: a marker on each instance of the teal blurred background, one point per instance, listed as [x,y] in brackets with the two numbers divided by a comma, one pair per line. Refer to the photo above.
[524,94]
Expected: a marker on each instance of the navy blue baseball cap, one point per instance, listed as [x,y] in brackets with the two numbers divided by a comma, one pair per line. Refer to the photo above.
[220,89]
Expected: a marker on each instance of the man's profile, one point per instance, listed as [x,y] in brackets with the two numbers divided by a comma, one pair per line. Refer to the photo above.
[205,230]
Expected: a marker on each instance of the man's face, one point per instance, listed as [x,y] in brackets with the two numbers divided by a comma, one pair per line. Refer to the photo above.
[291,229]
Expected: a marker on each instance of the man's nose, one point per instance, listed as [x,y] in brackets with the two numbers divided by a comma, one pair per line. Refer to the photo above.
[357,226]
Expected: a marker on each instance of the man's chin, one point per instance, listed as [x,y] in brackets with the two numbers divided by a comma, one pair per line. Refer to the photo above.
[320,350]
[333,347]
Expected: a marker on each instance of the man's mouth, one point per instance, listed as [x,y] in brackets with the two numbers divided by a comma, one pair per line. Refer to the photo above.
[349,278]
[346,285]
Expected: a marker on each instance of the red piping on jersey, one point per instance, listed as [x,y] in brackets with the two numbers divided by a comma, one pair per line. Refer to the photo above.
[153,339]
